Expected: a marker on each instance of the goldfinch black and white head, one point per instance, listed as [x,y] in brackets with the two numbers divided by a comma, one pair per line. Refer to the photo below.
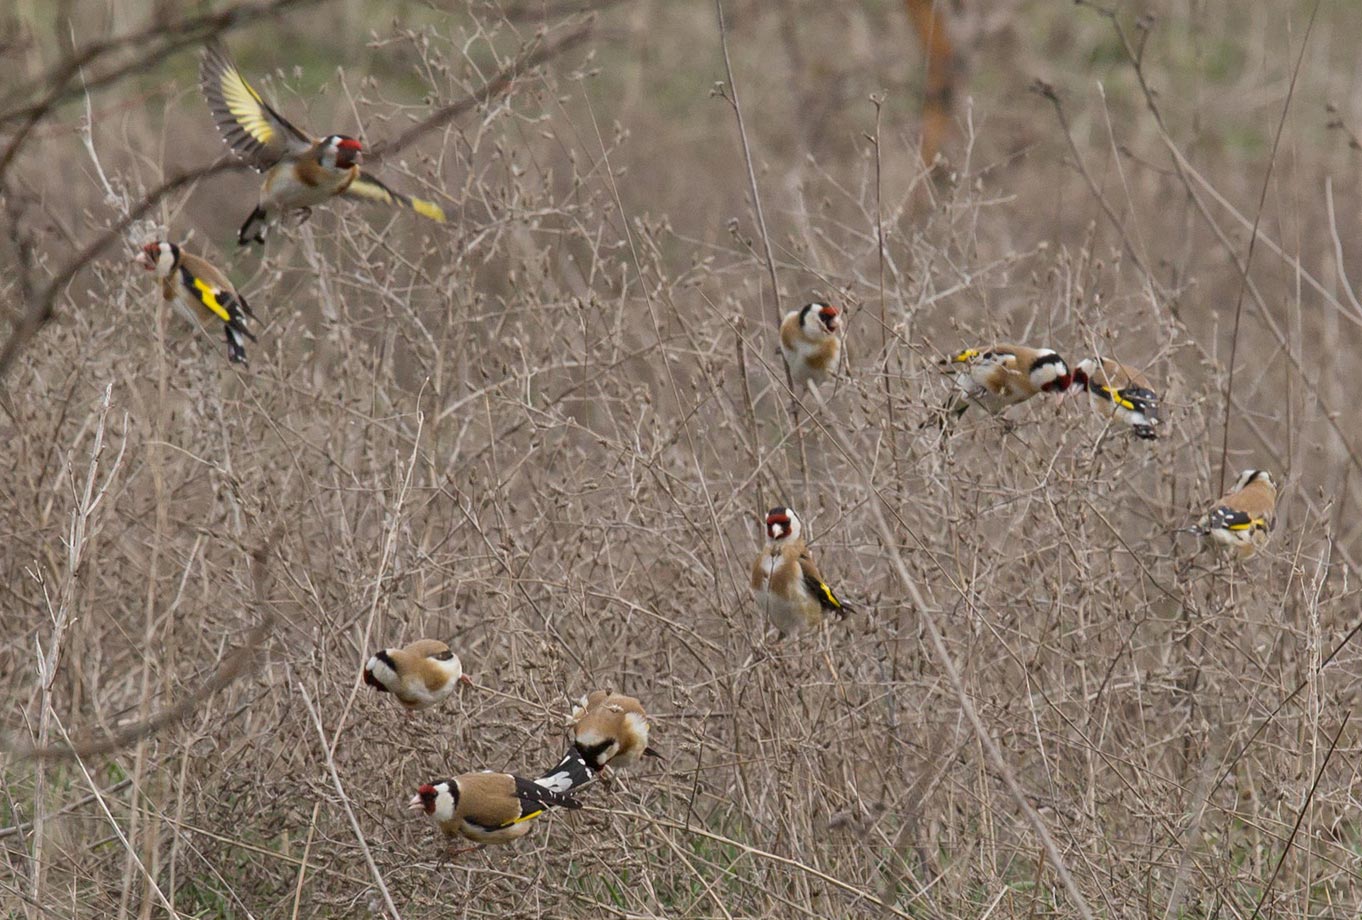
[1003,375]
[782,524]
[1241,522]
[786,583]
[811,342]
[200,292]
[420,675]
[1120,391]
[339,152]
[159,256]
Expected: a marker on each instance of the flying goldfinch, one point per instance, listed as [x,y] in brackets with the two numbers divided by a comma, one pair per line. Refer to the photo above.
[608,730]
[1120,391]
[1004,375]
[300,172]
[420,675]
[487,807]
[785,581]
[811,341]
[200,293]
[1241,522]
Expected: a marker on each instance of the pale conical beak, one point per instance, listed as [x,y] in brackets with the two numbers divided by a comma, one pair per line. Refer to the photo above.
[416,804]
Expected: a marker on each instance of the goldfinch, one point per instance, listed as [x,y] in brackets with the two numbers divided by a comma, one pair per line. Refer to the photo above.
[1004,375]
[300,172]
[785,581]
[1120,392]
[487,807]
[200,293]
[608,730]
[1241,522]
[811,341]
[420,675]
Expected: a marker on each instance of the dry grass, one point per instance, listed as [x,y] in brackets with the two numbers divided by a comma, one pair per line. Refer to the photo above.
[547,432]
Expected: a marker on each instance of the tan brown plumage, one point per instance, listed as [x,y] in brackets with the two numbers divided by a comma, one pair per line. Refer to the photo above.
[419,675]
[610,730]
[200,293]
[786,583]
[1003,375]
[1120,391]
[300,172]
[811,342]
[487,807]
[1241,522]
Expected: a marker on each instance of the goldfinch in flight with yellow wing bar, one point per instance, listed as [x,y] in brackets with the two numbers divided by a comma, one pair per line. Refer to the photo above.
[300,172]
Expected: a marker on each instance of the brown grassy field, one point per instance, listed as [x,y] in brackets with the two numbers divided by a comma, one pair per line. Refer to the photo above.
[547,431]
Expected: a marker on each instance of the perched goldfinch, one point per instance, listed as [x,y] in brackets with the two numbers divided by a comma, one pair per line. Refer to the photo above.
[1120,392]
[487,807]
[200,293]
[785,580]
[811,341]
[299,172]
[420,675]
[608,730]
[1004,375]
[1241,522]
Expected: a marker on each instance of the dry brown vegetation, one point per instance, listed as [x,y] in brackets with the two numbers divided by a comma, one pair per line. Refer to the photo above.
[547,431]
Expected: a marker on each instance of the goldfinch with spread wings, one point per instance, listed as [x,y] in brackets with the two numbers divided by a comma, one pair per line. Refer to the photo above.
[200,293]
[420,675]
[1121,392]
[811,341]
[1241,522]
[487,807]
[300,172]
[1003,375]
[785,581]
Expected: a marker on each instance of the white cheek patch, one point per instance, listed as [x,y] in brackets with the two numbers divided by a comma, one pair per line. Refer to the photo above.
[444,805]
[382,673]
[165,262]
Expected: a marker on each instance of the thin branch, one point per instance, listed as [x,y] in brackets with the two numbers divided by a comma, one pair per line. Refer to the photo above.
[345,802]
[1253,239]
[1300,816]
[536,54]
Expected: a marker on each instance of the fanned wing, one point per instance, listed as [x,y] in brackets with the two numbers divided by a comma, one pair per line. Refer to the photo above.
[367,187]
[819,588]
[255,131]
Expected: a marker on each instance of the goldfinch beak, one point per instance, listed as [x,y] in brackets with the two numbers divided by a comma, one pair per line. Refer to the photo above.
[416,805]
[141,258]
[465,680]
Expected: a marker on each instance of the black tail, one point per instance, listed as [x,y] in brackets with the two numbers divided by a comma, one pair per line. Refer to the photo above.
[237,332]
[254,228]
[1146,432]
